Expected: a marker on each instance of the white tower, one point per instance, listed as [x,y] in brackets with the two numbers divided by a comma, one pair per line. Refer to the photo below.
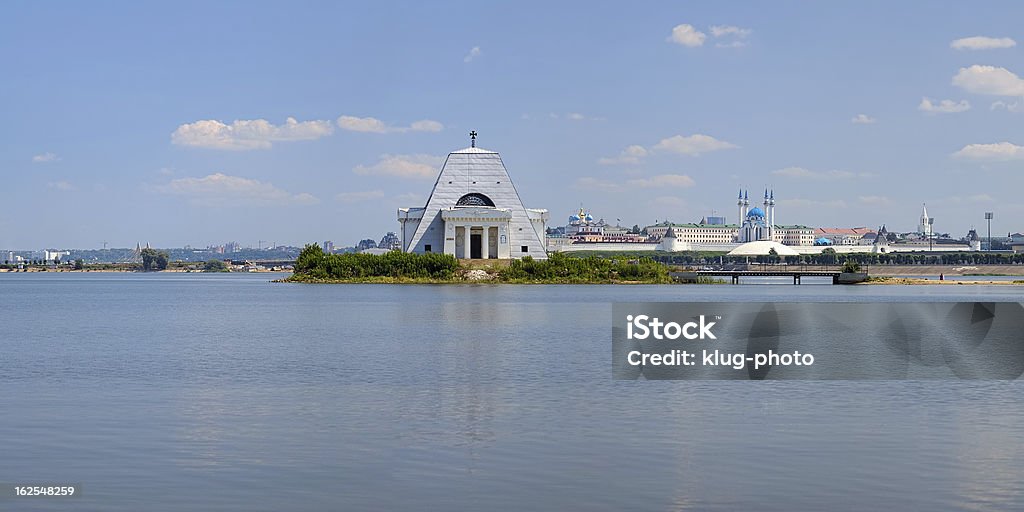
[881,243]
[924,226]
[671,243]
[739,208]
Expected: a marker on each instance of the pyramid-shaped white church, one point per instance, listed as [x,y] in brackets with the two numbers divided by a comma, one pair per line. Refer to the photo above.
[474,212]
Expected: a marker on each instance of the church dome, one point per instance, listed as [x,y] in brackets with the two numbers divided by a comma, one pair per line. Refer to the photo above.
[589,217]
[756,213]
[574,218]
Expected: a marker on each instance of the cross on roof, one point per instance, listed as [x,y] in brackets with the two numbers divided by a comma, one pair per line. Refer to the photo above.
[472,138]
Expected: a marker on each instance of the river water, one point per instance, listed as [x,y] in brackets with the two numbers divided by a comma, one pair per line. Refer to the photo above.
[227,392]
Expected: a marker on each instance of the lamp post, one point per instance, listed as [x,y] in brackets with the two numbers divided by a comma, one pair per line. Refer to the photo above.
[988,217]
[931,233]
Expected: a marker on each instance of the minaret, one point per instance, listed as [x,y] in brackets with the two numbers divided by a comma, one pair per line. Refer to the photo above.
[746,205]
[739,208]
[771,216]
[925,226]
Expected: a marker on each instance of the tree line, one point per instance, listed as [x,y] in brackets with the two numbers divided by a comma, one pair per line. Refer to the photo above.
[314,263]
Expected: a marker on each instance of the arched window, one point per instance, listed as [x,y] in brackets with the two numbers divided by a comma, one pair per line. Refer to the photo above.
[474,199]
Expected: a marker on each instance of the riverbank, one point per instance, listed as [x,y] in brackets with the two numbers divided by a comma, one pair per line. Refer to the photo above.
[945,270]
[884,280]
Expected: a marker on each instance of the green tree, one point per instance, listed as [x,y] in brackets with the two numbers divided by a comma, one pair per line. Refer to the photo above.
[215,266]
[79,264]
[153,259]
[829,255]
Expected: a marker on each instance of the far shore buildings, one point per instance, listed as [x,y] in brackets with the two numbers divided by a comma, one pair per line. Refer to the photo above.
[756,232]
[474,212]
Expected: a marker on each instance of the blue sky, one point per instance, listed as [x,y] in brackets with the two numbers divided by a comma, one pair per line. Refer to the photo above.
[200,123]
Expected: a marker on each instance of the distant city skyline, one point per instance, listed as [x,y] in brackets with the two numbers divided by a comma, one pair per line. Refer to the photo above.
[197,123]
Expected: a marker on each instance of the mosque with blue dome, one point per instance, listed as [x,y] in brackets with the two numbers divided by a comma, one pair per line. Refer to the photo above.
[757,223]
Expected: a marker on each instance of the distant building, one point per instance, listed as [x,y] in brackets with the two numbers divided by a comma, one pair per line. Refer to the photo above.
[390,242]
[925,223]
[366,244]
[328,246]
[756,223]
[973,240]
[231,247]
[49,255]
[881,241]
[842,236]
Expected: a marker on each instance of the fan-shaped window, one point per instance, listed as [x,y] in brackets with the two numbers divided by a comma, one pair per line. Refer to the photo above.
[474,199]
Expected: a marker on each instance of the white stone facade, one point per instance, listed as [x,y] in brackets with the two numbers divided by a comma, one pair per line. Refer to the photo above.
[474,206]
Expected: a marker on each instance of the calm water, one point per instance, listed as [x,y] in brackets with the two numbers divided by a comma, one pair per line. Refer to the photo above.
[227,392]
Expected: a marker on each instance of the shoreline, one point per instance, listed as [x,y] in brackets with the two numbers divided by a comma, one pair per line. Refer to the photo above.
[912,275]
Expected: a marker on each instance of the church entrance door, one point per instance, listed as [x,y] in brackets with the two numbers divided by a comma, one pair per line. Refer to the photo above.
[474,246]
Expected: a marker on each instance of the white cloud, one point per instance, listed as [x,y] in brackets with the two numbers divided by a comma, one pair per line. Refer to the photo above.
[667,202]
[982,43]
[426,125]
[663,181]
[998,152]
[834,174]
[693,144]
[971,199]
[875,200]
[729,30]
[409,166]
[473,53]
[571,116]
[45,157]
[630,155]
[374,125]
[737,35]
[989,80]
[589,182]
[863,119]
[686,35]
[247,134]
[362,124]
[62,185]
[811,203]
[943,107]
[1016,106]
[407,199]
[367,195]
[224,190]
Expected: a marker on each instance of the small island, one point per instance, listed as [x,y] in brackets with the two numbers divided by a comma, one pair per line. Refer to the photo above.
[316,266]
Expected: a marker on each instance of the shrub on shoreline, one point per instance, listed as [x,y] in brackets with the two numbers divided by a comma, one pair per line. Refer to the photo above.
[564,269]
[313,263]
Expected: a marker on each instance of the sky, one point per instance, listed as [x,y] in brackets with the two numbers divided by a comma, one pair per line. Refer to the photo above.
[198,123]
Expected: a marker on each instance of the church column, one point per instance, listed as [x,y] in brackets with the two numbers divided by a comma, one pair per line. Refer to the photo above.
[466,253]
[485,243]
